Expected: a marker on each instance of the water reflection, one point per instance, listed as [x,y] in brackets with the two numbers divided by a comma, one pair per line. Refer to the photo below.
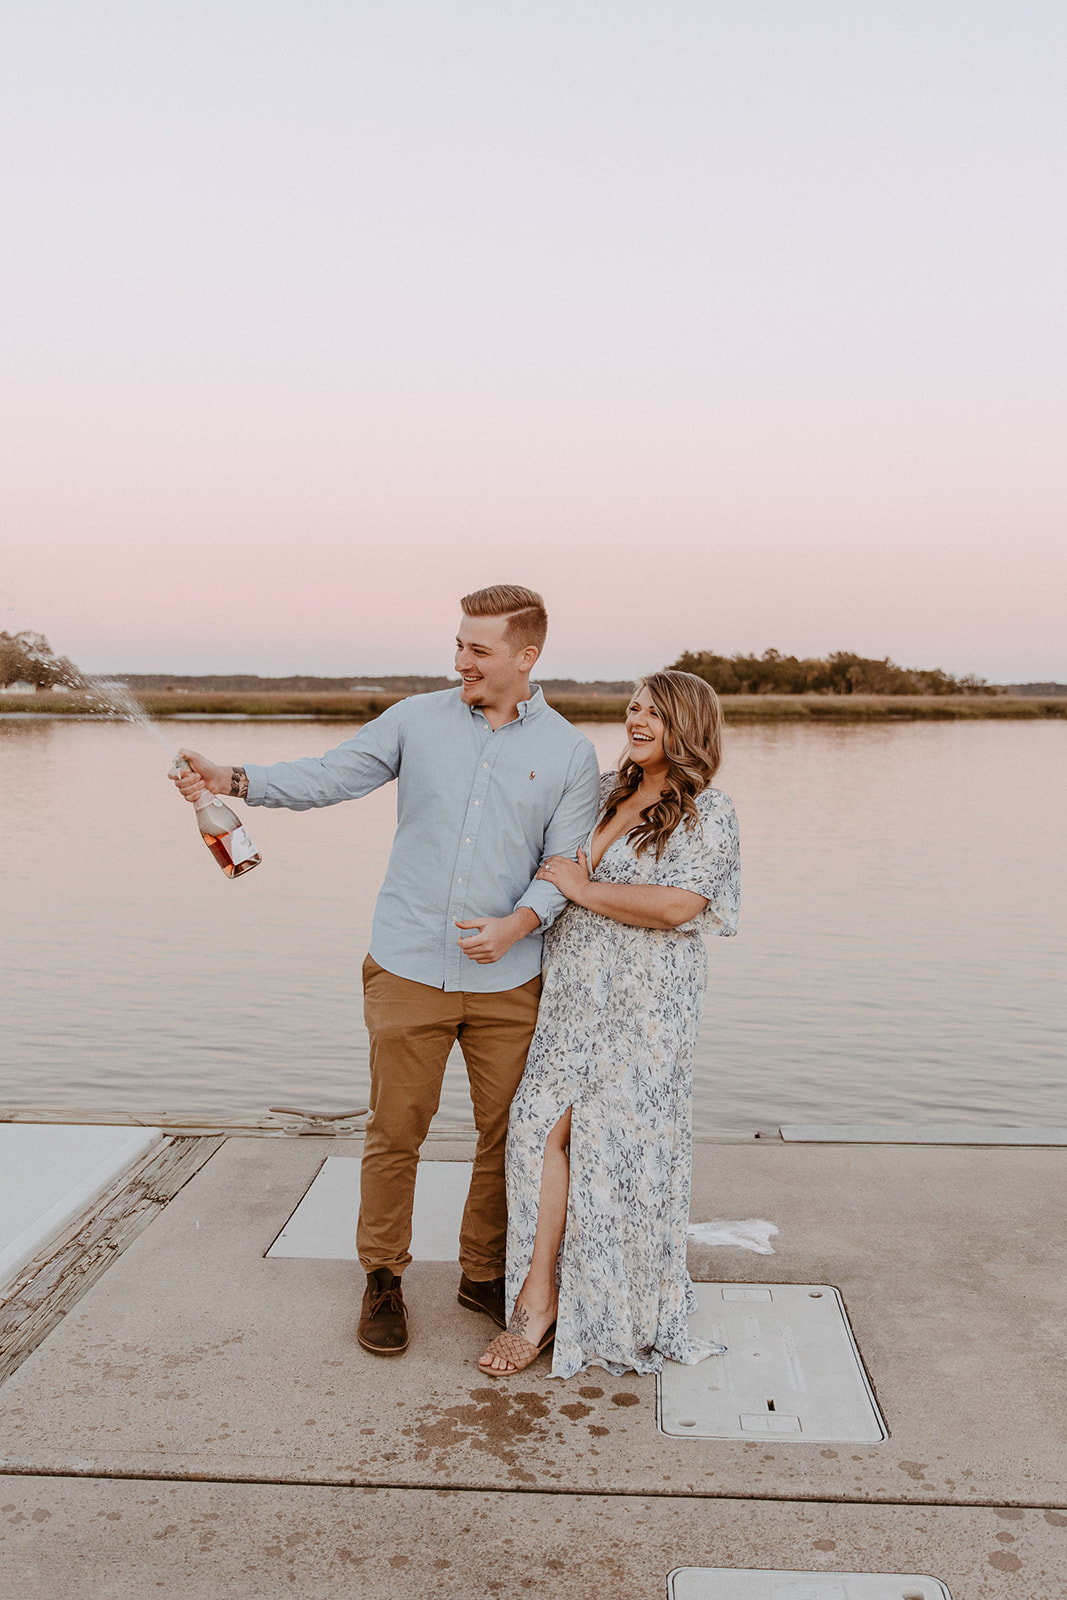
[901,954]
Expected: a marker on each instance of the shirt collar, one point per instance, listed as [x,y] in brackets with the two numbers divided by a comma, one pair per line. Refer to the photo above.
[526,708]
[535,704]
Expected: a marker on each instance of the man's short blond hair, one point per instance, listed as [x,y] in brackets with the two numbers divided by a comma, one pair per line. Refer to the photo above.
[524,609]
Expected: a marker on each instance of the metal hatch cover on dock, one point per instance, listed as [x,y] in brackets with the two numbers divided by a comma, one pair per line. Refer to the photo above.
[732,1583]
[792,1371]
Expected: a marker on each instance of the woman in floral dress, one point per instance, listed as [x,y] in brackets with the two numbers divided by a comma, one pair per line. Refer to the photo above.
[599,1143]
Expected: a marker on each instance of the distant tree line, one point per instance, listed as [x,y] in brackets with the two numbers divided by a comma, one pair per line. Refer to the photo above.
[27,657]
[839,673]
[295,683]
[250,683]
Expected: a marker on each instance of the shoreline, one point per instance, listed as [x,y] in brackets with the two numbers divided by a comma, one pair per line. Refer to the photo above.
[741,708]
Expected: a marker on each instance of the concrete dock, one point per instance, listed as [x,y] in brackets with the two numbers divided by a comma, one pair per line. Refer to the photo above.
[202,1423]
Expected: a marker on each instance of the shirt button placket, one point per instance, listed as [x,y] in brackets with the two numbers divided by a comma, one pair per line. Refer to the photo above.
[457,960]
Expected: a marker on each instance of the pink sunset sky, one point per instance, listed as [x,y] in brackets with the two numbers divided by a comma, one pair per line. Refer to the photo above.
[726,323]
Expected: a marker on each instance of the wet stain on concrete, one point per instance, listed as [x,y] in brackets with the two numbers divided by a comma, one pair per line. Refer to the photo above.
[348,1558]
[1009,1513]
[498,1422]
[1004,1561]
[916,1470]
[1056,1519]
[576,1411]
[623,1398]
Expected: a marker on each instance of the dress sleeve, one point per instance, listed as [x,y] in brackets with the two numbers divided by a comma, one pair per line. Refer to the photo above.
[706,860]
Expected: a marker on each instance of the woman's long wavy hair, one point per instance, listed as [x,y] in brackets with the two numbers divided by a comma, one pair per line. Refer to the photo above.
[692,743]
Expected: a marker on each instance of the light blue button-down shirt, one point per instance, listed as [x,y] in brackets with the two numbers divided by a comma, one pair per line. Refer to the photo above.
[477,813]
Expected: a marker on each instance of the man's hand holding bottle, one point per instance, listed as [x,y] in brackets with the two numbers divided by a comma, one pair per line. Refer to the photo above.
[198,774]
[199,781]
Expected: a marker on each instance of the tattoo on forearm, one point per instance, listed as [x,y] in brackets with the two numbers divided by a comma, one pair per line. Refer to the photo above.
[238,782]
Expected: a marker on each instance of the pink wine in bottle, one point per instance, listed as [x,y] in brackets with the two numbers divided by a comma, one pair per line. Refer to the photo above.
[224,834]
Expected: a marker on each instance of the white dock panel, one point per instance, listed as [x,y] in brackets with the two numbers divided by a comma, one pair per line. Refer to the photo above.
[50,1173]
[730,1583]
[934,1133]
[792,1370]
[323,1226]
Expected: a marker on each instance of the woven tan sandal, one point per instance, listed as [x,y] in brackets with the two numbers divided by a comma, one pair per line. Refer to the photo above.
[518,1353]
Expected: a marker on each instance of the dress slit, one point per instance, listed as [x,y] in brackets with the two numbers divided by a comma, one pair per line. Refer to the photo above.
[533,1155]
[567,1111]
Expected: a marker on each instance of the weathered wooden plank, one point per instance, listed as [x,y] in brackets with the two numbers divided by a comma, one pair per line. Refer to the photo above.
[56,1279]
[193,1122]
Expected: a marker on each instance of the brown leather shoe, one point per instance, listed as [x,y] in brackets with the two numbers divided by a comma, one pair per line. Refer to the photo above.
[487,1297]
[383,1322]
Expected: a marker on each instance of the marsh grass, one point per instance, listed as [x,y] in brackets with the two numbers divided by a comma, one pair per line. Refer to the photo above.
[362,707]
[351,707]
[888,707]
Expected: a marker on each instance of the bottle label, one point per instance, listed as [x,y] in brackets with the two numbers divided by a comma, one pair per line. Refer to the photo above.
[238,845]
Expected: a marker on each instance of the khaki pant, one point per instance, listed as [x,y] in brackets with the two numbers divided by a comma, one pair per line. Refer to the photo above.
[412,1028]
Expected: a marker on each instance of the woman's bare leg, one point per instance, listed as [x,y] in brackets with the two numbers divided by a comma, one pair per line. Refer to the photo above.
[536,1302]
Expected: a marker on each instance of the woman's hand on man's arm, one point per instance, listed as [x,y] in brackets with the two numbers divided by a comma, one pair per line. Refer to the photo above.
[639,905]
[569,877]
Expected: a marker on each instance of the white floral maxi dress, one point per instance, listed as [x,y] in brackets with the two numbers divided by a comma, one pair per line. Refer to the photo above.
[614,1041]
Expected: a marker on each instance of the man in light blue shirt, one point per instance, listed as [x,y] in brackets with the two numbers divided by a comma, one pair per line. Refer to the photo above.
[490,781]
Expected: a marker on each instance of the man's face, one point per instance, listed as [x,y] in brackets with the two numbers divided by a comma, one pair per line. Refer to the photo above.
[492,676]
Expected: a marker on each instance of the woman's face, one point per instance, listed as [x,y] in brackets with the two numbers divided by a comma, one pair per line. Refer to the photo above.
[644,733]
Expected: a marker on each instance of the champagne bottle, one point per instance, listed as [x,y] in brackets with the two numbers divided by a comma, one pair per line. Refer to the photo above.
[223,832]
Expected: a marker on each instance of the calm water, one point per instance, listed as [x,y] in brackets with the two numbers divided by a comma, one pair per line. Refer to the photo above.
[901,958]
